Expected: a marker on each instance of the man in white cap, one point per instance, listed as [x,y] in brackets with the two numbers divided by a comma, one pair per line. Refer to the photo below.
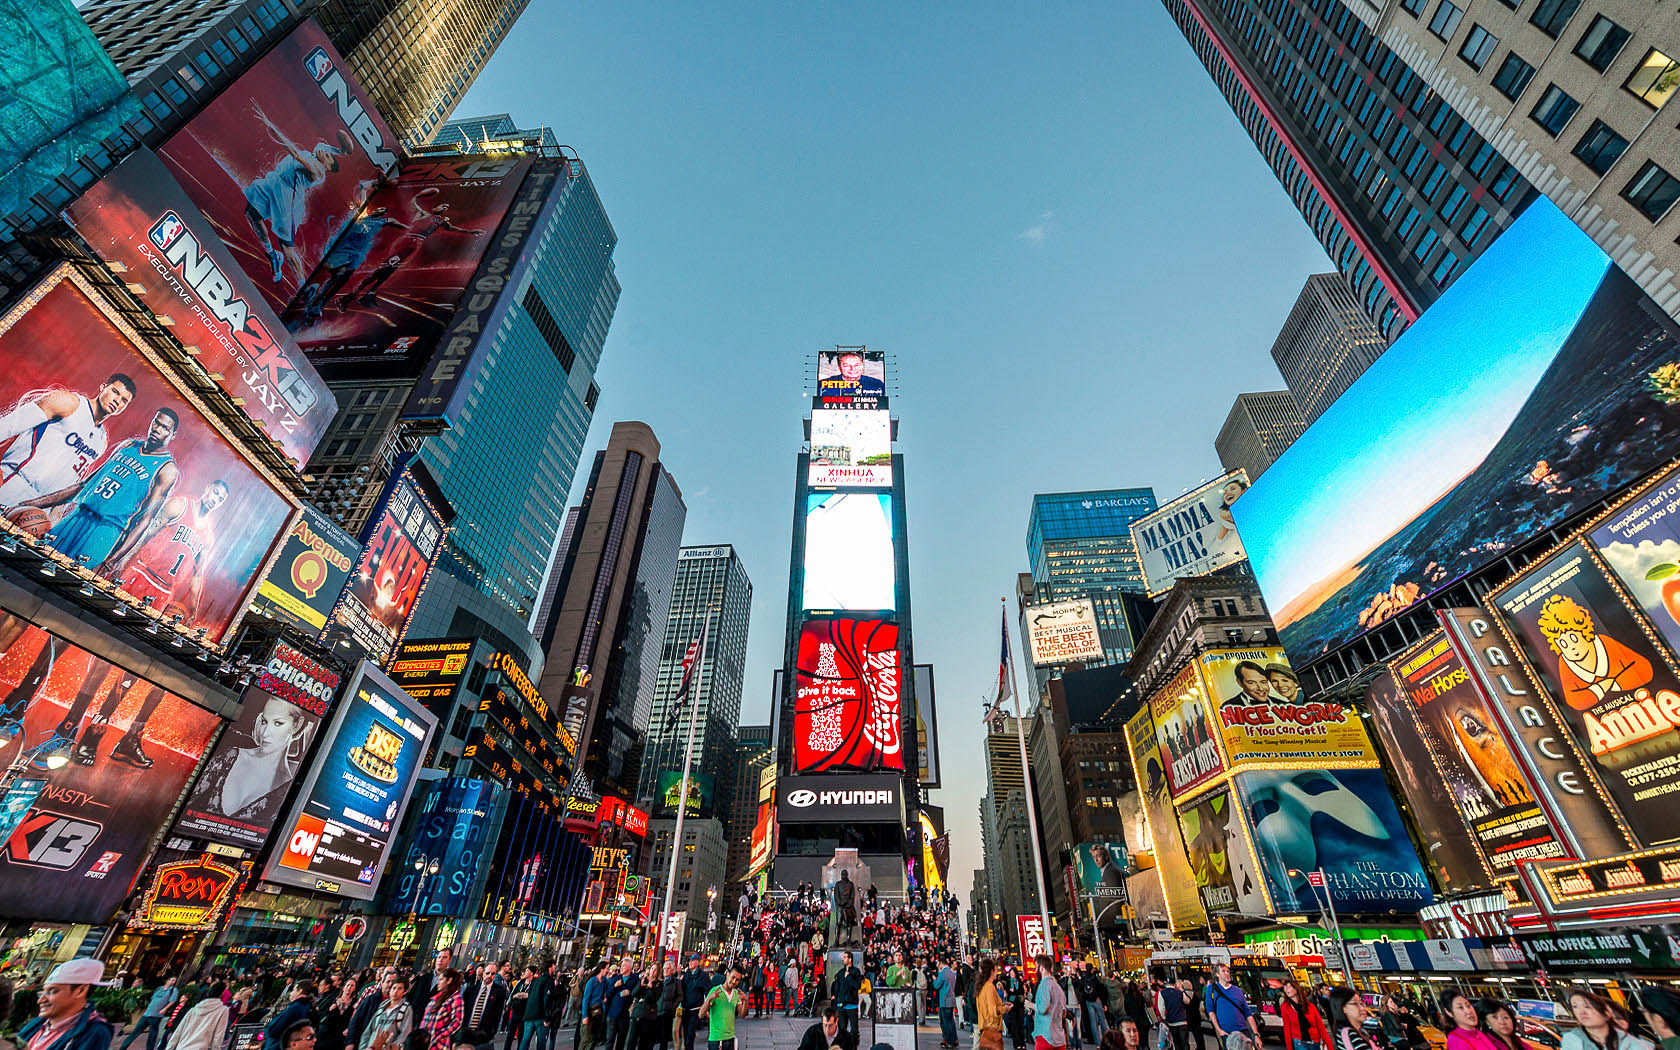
[67,1020]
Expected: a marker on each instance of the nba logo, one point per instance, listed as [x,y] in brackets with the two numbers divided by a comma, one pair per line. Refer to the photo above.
[166,229]
[318,64]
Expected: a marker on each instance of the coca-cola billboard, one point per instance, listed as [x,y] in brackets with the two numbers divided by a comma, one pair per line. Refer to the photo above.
[847,711]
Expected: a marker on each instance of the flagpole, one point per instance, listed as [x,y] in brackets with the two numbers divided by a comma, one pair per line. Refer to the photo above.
[1027,783]
[682,792]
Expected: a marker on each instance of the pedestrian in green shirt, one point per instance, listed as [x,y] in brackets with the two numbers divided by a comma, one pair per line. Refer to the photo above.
[720,1008]
[897,975]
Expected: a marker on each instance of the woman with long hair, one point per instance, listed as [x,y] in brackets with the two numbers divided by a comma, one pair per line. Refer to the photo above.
[1597,1022]
[1466,1033]
[1661,1007]
[335,1019]
[1302,1023]
[1347,1020]
[988,1005]
[249,782]
[1499,1021]
[444,1012]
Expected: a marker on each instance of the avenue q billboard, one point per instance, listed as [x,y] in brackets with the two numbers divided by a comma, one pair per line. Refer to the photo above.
[1062,632]
[1541,382]
[1191,536]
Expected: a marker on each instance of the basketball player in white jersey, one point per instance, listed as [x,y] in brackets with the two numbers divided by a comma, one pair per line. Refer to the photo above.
[53,438]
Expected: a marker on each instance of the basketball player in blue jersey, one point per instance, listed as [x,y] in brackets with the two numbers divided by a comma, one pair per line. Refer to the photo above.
[111,510]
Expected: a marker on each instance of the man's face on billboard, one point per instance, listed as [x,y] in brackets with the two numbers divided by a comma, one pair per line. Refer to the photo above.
[851,366]
[162,431]
[114,396]
[1253,682]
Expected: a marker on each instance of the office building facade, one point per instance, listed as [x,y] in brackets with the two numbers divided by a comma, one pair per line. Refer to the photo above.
[707,578]
[1326,343]
[611,607]
[1079,545]
[1573,95]
[1258,429]
[417,58]
[754,752]
[1399,189]
[701,869]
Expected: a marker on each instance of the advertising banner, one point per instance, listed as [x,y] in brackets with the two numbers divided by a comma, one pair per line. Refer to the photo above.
[186,895]
[1100,868]
[700,794]
[1220,855]
[240,793]
[339,831]
[383,295]
[281,159]
[400,549]
[1186,736]
[846,712]
[1265,717]
[108,463]
[846,798]
[850,449]
[115,751]
[763,839]
[1172,865]
[927,727]
[851,372]
[1341,820]
[451,826]
[304,583]
[1610,679]
[1060,633]
[849,561]
[137,217]
[1522,397]
[1033,940]
[431,672]
[1641,542]
[1440,823]
[1471,757]
[1191,535]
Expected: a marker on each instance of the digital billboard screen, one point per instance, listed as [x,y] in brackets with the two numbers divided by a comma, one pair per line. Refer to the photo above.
[850,449]
[1641,543]
[107,462]
[304,583]
[115,751]
[451,824]
[338,833]
[1191,535]
[1533,388]
[138,218]
[851,372]
[847,711]
[849,558]
[402,544]
[700,794]
[281,159]
[1613,683]
[239,795]
[384,293]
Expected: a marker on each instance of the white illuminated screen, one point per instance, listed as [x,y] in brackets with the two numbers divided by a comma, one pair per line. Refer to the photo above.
[851,449]
[849,551]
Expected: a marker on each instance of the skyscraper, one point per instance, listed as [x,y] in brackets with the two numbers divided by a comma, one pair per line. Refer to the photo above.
[1258,430]
[755,750]
[1326,343]
[1079,545]
[707,577]
[612,605]
[418,57]
[1401,192]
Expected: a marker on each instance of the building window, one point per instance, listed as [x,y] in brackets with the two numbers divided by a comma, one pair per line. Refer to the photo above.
[1444,269]
[1600,147]
[1426,244]
[1655,79]
[1601,43]
[1478,48]
[1513,76]
[1550,16]
[1412,7]
[1454,203]
[1653,191]
[1446,20]
[1554,110]
[1473,227]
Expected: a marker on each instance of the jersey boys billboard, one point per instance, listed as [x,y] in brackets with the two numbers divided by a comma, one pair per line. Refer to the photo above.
[281,159]
[107,462]
[138,217]
[847,711]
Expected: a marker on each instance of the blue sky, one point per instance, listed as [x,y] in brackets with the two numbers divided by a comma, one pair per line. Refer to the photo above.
[1045,213]
[1426,413]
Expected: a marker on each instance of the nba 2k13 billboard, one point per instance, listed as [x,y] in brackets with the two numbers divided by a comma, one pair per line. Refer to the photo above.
[107,462]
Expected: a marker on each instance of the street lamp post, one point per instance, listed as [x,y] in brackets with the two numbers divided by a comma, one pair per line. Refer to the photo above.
[425,869]
[1327,914]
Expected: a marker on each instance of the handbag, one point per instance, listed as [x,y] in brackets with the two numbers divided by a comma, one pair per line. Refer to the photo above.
[990,1039]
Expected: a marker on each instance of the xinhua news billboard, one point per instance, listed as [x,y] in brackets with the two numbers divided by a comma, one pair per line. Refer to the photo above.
[850,448]
[1541,382]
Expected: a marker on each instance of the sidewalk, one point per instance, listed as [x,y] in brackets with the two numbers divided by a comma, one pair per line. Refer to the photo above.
[784,1033]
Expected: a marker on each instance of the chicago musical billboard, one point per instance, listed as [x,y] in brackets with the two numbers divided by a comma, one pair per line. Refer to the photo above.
[847,712]
[110,464]
[281,159]
[849,563]
[1541,382]
[115,751]
[1191,535]
[337,836]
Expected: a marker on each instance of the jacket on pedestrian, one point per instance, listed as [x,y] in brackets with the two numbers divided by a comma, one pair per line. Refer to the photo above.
[288,1015]
[201,1027]
[989,1005]
[366,1007]
[536,1003]
[1302,1021]
[90,1031]
[696,983]
[946,983]
[1169,1003]
[846,985]
[621,988]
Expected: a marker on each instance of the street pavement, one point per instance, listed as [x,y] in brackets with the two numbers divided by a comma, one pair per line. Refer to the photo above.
[776,1032]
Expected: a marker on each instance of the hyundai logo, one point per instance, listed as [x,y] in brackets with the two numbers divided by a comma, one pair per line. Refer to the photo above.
[801,798]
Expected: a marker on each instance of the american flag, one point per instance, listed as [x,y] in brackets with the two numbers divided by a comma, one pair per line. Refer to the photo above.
[689,658]
[1006,671]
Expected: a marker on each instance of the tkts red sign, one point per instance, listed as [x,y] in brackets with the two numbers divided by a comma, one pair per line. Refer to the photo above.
[847,711]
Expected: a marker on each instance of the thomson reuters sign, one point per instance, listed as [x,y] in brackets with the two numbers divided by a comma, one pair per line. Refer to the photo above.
[842,797]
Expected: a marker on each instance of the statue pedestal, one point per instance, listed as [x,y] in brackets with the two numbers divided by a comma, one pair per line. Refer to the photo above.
[841,932]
